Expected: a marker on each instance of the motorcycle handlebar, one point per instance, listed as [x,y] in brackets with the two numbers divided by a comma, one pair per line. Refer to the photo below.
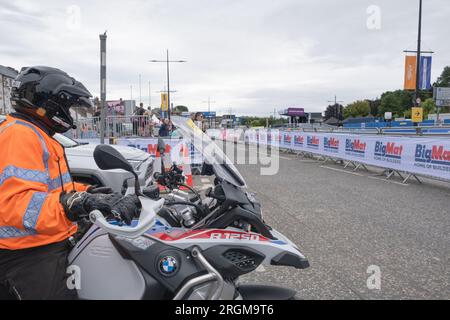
[148,213]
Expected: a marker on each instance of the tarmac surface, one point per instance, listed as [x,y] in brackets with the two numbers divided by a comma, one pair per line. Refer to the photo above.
[350,224]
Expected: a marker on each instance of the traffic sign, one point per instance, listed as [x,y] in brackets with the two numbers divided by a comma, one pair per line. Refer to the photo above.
[442,96]
[417,114]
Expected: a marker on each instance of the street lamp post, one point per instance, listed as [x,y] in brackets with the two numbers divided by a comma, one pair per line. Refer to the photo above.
[209,109]
[167,62]
[102,86]
[419,40]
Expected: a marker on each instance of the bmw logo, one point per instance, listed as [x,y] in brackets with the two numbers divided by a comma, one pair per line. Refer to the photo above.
[168,265]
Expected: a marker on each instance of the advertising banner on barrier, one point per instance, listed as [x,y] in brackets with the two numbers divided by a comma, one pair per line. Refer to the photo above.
[425,156]
[180,152]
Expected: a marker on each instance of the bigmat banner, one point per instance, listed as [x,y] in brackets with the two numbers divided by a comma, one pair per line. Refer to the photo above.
[180,152]
[426,156]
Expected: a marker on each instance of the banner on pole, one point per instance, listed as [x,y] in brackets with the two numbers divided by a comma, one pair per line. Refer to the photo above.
[410,72]
[425,73]
[164,102]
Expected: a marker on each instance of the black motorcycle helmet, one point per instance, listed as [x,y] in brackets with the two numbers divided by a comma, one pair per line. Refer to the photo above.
[47,94]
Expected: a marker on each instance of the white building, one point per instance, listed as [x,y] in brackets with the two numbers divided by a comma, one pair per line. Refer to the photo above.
[7,75]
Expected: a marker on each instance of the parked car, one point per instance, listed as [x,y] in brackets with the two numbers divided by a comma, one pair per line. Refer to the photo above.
[84,169]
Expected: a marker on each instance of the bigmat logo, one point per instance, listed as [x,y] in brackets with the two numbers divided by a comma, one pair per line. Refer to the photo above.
[354,147]
[299,141]
[331,144]
[312,142]
[390,152]
[287,138]
[437,156]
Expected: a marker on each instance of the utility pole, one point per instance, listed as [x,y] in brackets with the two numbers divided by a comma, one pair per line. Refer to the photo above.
[419,40]
[149,95]
[140,91]
[167,61]
[209,109]
[102,86]
[336,104]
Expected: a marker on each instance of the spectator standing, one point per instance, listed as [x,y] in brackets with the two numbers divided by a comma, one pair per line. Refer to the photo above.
[199,120]
[164,129]
[148,125]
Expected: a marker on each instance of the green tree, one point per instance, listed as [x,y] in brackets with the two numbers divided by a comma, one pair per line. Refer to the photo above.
[444,79]
[396,102]
[375,107]
[357,109]
[181,109]
[334,111]
[429,106]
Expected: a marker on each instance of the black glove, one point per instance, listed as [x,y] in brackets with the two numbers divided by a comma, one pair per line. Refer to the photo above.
[127,208]
[78,205]
[96,189]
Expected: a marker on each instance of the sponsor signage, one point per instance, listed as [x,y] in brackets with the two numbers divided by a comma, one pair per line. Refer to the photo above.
[331,144]
[312,142]
[427,156]
[355,147]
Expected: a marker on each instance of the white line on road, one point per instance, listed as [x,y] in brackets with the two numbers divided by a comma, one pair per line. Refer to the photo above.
[343,171]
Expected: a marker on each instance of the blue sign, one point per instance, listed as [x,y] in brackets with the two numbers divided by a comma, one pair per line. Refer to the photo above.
[211,114]
[425,73]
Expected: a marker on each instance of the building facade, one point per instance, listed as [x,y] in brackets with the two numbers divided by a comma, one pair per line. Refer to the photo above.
[7,76]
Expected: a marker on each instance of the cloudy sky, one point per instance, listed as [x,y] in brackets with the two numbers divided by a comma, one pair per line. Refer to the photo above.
[250,56]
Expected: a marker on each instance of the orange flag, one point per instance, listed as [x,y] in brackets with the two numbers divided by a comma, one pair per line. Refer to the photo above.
[410,72]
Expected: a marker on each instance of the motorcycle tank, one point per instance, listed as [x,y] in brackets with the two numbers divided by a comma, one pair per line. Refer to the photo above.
[104,274]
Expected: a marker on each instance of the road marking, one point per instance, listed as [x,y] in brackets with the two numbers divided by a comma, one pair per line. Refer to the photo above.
[306,160]
[390,181]
[343,171]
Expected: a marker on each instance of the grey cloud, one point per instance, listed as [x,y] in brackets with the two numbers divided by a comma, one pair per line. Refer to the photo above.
[249,55]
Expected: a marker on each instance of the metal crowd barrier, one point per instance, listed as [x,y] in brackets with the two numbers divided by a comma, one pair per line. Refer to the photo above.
[408,158]
[115,126]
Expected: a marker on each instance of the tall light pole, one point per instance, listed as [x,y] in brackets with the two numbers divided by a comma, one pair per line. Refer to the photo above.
[140,90]
[209,109]
[336,102]
[102,86]
[419,40]
[167,62]
[149,95]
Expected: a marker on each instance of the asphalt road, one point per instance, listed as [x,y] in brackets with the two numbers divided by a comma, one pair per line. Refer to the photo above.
[345,222]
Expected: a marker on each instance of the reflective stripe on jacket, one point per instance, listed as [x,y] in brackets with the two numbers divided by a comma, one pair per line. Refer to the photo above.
[32,169]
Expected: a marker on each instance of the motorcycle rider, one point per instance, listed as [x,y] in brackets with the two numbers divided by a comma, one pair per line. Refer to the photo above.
[39,202]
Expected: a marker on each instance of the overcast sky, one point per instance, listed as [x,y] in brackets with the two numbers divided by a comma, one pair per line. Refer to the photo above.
[252,56]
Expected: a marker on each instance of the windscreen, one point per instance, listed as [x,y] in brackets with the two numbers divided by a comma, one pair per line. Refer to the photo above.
[211,152]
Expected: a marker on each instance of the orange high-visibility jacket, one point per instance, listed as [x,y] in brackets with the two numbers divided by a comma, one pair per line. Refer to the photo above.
[32,169]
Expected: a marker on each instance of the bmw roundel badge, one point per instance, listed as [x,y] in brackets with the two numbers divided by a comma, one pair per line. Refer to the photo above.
[168,265]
